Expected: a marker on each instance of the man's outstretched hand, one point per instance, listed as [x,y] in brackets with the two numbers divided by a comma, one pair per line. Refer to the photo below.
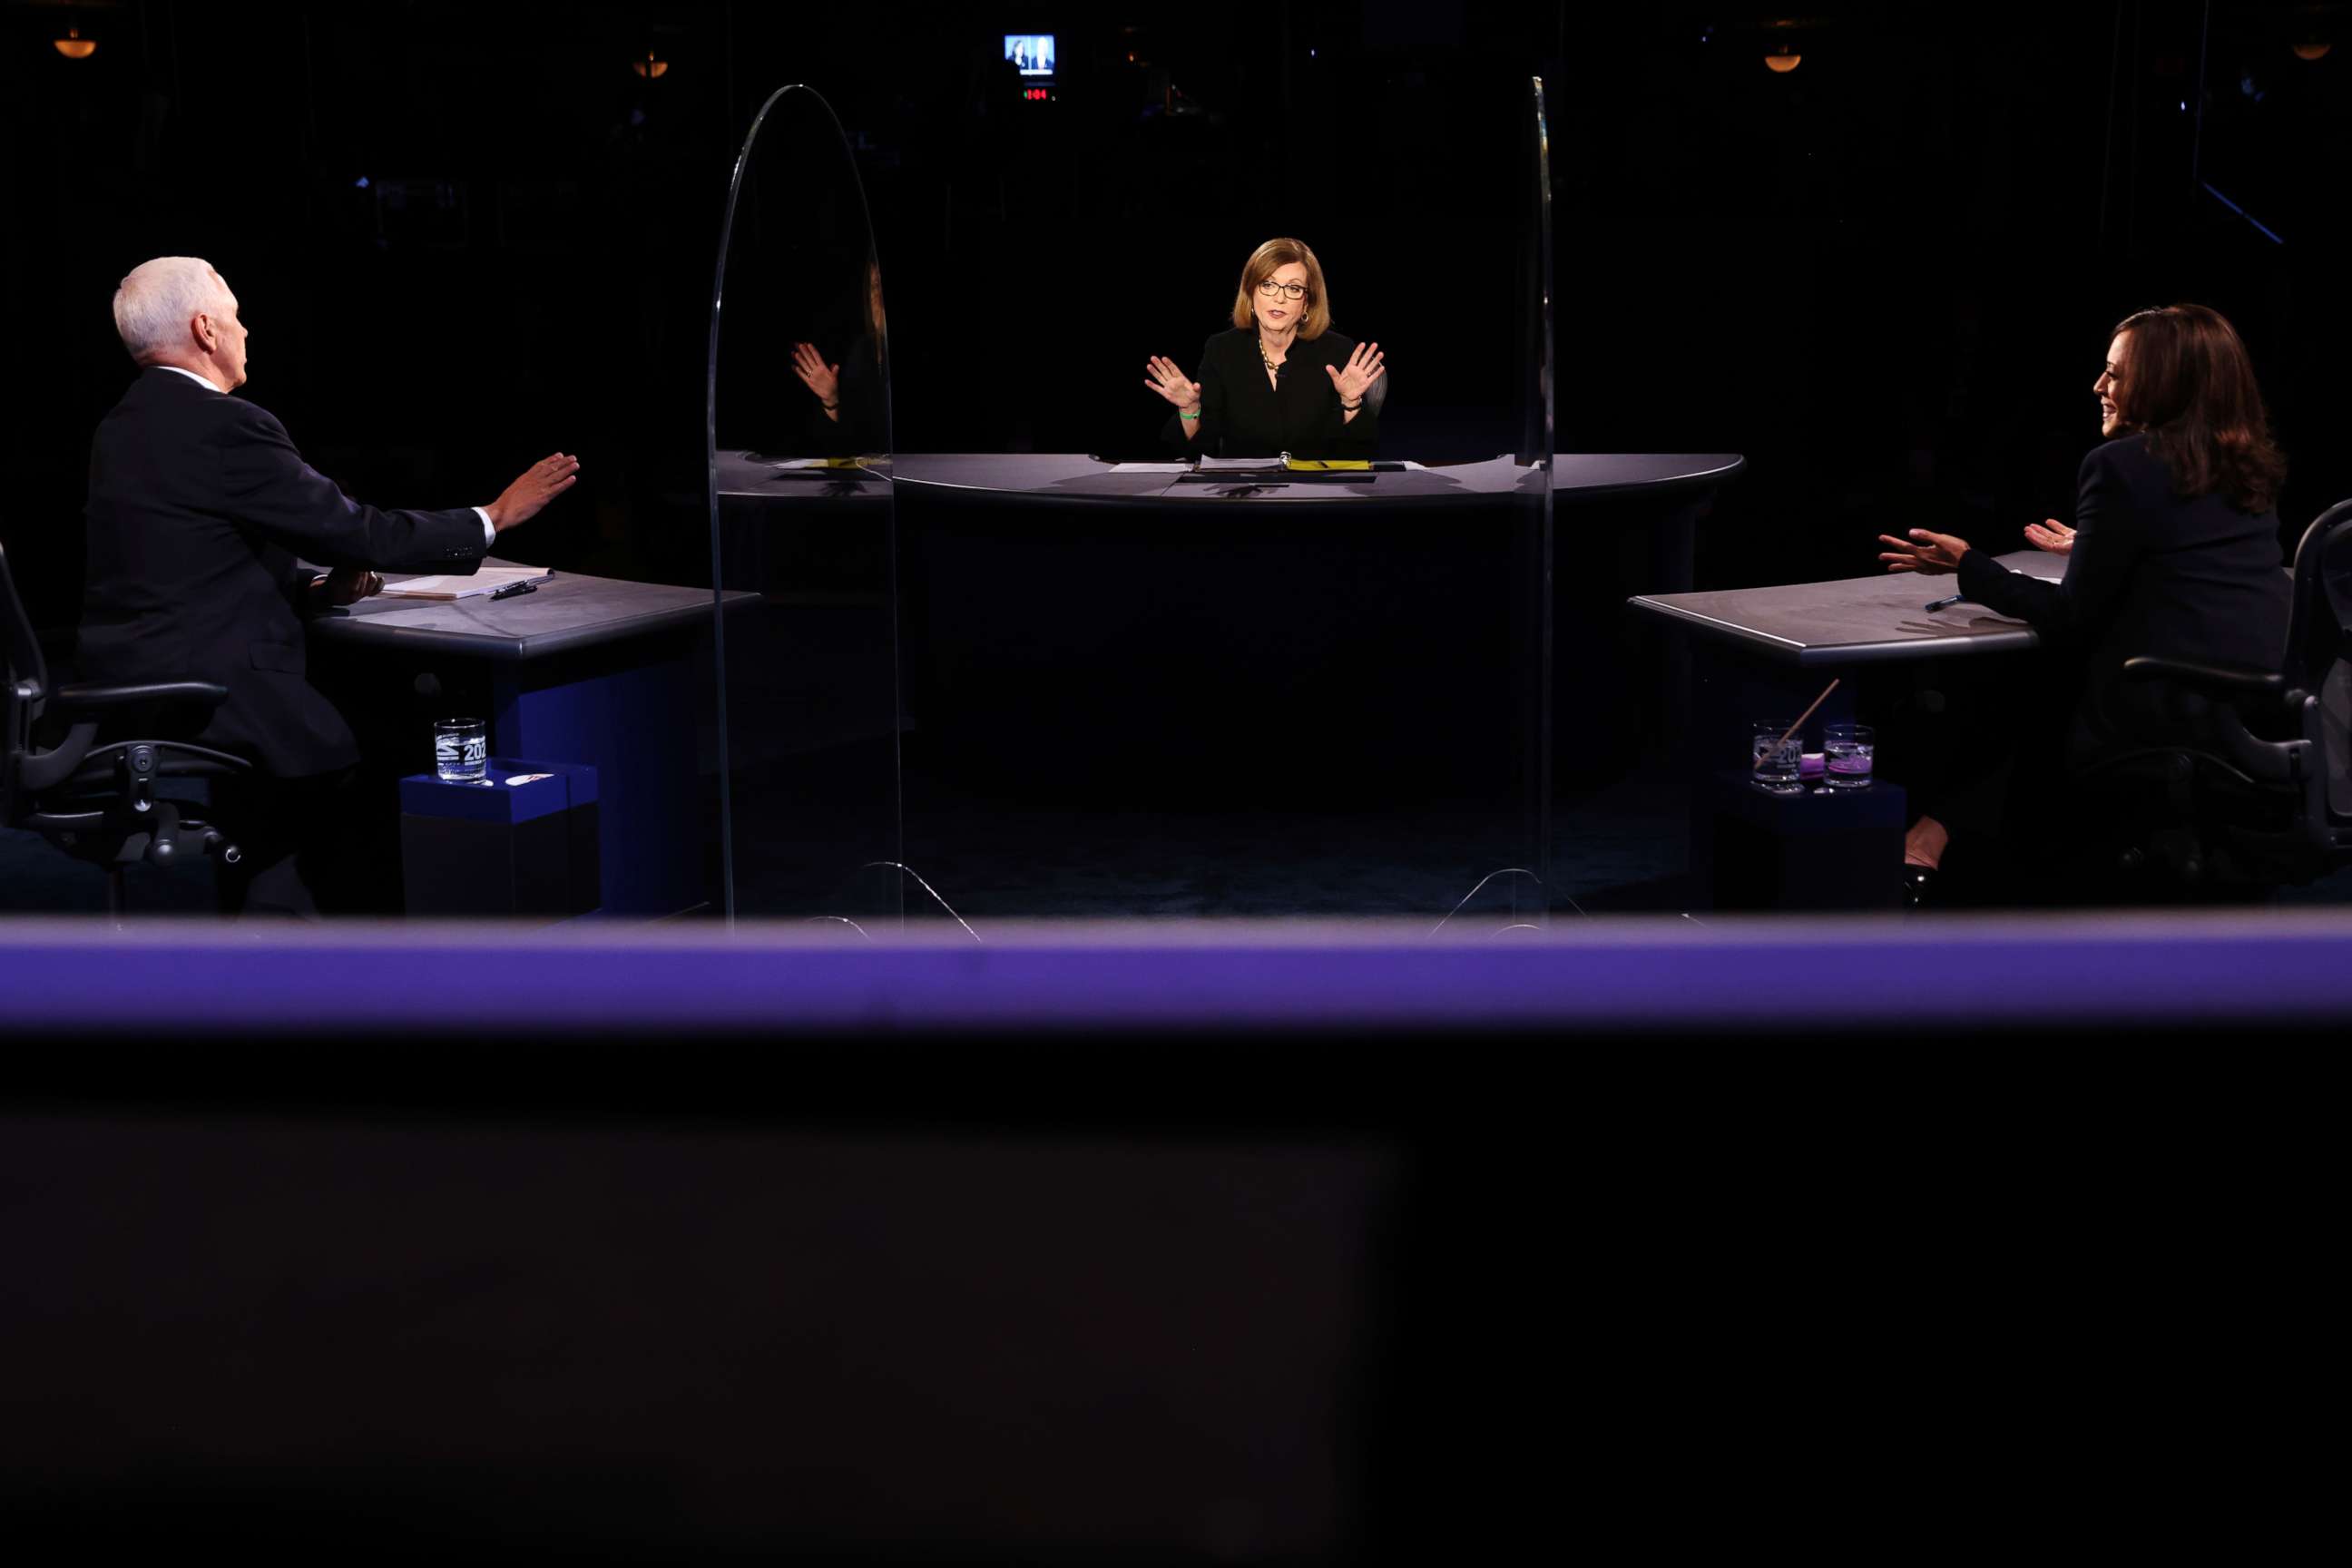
[541,483]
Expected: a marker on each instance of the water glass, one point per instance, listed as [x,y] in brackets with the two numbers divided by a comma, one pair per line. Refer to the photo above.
[1846,753]
[1775,763]
[461,750]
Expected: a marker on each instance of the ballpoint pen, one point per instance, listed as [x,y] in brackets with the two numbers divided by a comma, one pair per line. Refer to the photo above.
[1948,604]
[511,589]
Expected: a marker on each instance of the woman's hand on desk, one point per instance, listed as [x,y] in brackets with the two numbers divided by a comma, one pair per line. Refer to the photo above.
[1932,553]
[2051,535]
[1162,377]
[1364,367]
[819,377]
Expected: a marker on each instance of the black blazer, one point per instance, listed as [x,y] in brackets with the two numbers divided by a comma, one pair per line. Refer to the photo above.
[1243,416]
[2149,574]
[198,504]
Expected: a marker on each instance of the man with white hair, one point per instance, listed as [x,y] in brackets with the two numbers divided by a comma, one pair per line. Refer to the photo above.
[200,514]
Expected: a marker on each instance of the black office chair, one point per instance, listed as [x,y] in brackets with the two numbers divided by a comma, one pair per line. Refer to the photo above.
[2261,795]
[99,803]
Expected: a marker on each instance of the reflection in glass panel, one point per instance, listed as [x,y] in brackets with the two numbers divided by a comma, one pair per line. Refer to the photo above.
[802,515]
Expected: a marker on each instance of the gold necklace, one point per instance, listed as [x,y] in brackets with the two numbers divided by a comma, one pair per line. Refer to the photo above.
[1271,368]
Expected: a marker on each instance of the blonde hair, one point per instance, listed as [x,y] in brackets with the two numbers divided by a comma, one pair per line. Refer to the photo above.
[1262,265]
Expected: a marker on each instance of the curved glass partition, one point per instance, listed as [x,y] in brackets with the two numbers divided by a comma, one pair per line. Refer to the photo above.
[802,538]
[1533,523]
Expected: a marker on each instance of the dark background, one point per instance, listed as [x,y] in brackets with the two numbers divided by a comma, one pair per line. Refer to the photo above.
[1886,276]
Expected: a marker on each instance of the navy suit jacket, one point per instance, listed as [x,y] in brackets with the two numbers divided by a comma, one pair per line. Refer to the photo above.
[2151,573]
[199,506]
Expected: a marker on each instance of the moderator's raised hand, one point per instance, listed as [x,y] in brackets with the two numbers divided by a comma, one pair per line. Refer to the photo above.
[1162,377]
[2051,535]
[1364,367]
[539,484]
[1932,553]
[819,377]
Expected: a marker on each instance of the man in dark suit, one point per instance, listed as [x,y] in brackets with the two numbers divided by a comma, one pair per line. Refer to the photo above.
[201,515]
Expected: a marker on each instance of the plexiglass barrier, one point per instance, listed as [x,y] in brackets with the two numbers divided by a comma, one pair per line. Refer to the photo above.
[799,431]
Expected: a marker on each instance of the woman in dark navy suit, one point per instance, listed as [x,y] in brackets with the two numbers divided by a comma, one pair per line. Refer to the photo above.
[2174,548]
[1281,380]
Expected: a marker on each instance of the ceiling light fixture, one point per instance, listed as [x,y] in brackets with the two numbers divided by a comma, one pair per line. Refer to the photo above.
[74,47]
[651,67]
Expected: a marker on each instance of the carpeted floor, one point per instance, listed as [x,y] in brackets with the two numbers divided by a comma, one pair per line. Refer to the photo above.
[1618,850]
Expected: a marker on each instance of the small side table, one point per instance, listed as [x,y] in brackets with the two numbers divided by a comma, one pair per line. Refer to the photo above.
[1825,849]
[521,842]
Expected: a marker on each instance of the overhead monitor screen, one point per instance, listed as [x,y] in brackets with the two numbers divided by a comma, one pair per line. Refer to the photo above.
[1033,52]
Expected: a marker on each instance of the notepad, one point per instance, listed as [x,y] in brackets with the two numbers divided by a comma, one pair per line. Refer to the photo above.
[1326,465]
[488,580]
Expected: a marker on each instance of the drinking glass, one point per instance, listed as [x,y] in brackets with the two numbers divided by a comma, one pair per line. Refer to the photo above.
[1775,763]
[1847,750]
[461,750]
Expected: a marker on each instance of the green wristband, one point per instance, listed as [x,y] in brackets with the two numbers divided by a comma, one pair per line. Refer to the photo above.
[1181,415]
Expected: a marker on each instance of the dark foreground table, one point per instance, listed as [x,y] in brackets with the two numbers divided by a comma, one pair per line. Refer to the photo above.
[675,1245]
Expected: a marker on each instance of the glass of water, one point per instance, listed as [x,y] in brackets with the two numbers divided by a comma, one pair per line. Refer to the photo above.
[1847,750]
[1776,763]
[461,750]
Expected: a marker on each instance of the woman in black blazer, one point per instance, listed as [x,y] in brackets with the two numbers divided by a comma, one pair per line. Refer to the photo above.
[1281,381]
[2175,549]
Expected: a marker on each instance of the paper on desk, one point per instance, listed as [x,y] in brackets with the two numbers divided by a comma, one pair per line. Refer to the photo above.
[1239,465]
[1151,468]
[488,580]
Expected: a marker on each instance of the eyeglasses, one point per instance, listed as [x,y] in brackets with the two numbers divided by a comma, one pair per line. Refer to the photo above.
[1270,289]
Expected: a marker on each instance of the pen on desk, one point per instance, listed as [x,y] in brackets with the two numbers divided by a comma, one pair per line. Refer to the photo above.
[1948,604]
[511,589]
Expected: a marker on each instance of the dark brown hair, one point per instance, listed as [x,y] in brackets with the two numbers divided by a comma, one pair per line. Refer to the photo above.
[2188,384]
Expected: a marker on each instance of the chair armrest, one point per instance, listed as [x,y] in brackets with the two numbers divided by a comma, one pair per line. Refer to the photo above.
[84,698]
[2226,681]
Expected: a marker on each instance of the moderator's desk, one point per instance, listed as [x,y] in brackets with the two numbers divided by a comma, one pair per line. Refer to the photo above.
[1058,477]
[1134,635]
[585,669]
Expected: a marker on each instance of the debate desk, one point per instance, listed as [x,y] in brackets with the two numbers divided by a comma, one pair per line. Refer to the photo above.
[1763,655]
[1758,651]
[1146,625]
[584,669]
[1076,635]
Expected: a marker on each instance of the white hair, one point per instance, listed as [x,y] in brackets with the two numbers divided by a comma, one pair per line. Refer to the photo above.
[156,302]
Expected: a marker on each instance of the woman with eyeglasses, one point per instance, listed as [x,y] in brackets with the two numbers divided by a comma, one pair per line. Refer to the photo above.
[1281,380]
